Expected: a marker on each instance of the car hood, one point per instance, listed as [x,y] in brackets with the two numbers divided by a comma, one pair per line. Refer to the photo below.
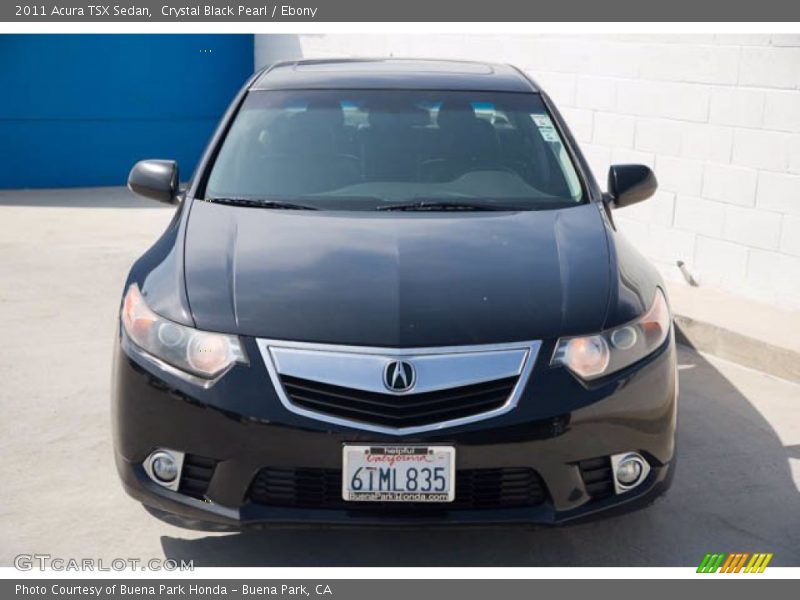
[399,279]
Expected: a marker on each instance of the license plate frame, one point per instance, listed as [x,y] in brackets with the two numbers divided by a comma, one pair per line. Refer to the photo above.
[399,459]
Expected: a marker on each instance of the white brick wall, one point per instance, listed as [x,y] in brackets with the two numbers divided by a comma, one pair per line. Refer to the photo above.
[727,183]
[716,116]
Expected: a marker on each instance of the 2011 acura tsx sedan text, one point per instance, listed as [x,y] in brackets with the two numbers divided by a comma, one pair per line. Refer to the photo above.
[393,292]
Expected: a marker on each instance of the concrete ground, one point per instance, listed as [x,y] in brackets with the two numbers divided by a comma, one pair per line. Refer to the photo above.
[63,260]
[711,321]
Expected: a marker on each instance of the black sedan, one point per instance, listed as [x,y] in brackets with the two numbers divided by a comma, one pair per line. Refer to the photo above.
[393,292]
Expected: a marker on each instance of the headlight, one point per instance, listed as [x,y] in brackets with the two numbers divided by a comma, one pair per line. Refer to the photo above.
[201,353]
[598,355]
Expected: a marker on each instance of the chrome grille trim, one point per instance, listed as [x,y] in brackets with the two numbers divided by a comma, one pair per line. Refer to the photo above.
[364,368]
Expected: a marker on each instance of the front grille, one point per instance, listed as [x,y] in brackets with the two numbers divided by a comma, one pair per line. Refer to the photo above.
[509,487]
[196,475]
[598,478]
[398,411]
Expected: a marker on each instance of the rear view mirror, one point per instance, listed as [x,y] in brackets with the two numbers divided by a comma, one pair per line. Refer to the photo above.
[629,184]
[156,179]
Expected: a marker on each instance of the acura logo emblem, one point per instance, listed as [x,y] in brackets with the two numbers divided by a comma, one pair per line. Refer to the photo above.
[399,376]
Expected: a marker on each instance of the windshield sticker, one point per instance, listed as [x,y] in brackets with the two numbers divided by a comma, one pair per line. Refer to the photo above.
[542,121]
[545,126]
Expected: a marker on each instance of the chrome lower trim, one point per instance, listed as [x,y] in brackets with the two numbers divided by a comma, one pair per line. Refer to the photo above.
[282,357]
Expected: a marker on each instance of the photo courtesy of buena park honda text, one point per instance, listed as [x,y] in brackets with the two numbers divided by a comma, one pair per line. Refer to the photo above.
[356,299]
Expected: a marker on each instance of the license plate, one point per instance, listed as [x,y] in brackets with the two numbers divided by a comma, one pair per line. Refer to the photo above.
[398,473]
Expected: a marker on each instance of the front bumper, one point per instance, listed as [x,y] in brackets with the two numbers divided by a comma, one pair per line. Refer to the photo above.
[240,423]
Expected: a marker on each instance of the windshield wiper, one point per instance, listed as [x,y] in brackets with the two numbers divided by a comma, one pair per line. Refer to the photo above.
[262,203]
[434,205]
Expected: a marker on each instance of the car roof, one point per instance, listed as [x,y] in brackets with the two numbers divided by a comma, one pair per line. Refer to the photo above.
[392,73]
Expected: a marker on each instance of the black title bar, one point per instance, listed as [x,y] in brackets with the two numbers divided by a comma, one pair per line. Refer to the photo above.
[399,11]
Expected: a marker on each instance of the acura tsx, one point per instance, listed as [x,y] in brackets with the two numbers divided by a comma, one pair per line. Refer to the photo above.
[393,292]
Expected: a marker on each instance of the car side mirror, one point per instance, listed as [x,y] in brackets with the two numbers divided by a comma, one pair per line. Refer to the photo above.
[156,179]
[629,184]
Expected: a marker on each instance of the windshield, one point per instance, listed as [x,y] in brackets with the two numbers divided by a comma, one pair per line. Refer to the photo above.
[366,149]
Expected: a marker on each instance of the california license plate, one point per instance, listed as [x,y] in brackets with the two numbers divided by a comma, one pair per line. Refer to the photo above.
[398,473]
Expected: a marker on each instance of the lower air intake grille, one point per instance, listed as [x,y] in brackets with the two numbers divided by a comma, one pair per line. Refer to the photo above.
[196,475]
[408,410]
[598,477]
[322,488]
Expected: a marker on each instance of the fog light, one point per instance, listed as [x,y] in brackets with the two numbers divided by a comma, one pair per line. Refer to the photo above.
[630,469]
[164,468]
